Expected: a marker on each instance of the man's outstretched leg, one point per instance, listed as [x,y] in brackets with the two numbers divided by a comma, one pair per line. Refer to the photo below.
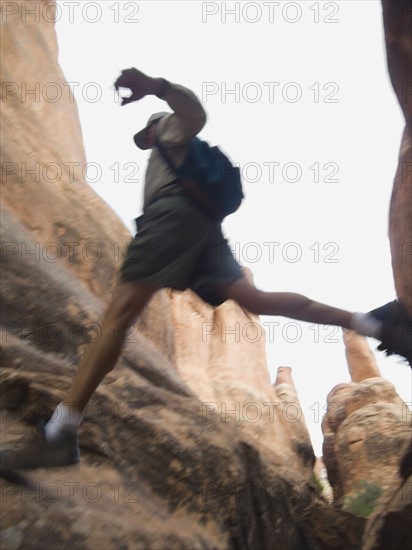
[58,444]
[390,324]
[296,306]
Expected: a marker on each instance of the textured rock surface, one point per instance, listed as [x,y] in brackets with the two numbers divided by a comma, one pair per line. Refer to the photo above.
[159,469]
[389,526]
[397,19]
[227,346]
[366,431]
[186,444]
[51,220]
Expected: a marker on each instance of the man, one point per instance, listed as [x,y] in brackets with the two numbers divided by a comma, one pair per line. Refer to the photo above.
[177,245]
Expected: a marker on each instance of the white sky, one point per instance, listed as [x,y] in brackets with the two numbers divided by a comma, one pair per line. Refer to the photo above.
[347,115]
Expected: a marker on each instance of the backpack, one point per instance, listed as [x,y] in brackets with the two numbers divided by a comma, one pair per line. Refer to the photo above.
[209,178]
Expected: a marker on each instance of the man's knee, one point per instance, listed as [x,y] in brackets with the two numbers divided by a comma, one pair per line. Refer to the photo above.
[252,301]
[128,300]
[246,295]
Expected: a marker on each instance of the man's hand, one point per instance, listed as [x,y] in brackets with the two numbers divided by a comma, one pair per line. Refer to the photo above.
[139,84]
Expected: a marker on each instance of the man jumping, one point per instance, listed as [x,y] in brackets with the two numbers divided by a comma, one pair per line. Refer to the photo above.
[170,249]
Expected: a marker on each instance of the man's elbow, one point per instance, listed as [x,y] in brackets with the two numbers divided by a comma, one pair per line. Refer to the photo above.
[200,121]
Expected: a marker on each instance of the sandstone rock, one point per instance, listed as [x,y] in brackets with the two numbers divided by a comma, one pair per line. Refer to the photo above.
[360,359]
[334,529]
[397,20]
[321,474]
[157,471]
[366,431]
[389,526]
[227,346]
[174,452]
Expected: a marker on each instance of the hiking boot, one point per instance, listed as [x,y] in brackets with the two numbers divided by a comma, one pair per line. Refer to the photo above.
[396,335]
[37,452]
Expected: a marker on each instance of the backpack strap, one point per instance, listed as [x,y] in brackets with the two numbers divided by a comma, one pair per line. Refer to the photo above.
[191,187]
[166,158]
[165,190]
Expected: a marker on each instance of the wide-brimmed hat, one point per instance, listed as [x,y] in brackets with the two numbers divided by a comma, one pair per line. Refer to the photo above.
[140,138]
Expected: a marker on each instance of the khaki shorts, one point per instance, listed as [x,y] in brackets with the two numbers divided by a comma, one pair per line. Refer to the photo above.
[178,246]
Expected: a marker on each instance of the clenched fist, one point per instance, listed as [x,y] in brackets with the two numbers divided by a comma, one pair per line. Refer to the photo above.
[139,84]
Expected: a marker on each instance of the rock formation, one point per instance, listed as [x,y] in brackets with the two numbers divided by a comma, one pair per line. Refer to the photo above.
[366,431]
[186,444]
[397,20]
[390,525]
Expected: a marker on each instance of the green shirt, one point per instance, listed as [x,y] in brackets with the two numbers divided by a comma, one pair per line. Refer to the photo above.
[175,132]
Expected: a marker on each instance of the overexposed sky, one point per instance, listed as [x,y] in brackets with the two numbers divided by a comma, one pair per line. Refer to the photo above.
[298,94]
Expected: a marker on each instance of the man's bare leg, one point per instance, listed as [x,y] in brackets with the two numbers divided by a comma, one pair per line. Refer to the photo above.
[390,323]
[286,304]
[128,301]
[57,445]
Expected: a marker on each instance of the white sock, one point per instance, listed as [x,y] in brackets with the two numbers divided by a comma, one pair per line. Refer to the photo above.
[64,418]
[366,324]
